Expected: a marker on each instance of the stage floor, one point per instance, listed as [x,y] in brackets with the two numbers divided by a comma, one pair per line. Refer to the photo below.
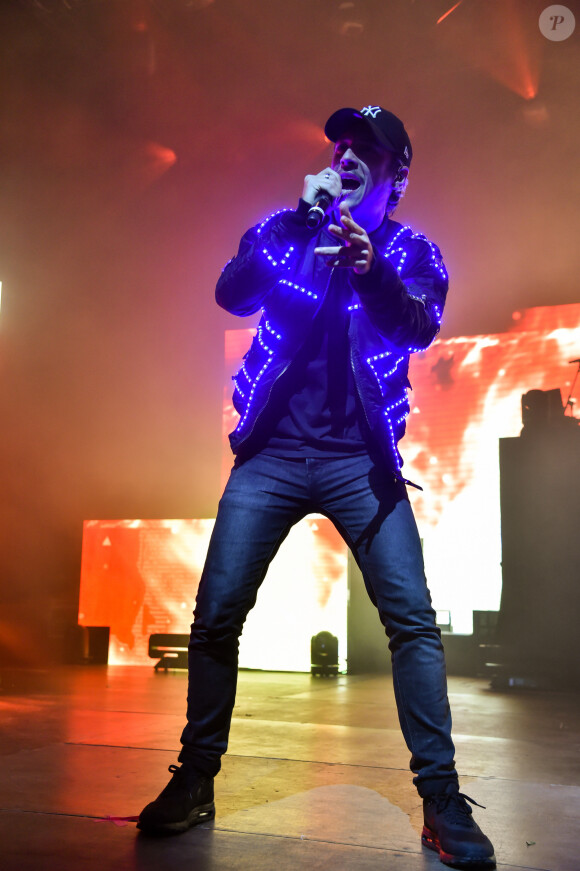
[316,776]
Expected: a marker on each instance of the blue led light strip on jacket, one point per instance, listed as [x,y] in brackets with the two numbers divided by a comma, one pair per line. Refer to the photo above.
[392,423]
[279,260]
[297,287]
[267,335]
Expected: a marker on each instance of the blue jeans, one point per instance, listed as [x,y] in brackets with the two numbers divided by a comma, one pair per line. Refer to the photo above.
[265,496]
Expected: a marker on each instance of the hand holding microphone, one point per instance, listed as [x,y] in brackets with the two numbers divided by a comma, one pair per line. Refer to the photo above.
[320,191]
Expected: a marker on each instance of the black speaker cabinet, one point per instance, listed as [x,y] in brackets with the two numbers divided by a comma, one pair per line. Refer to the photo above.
[539,618]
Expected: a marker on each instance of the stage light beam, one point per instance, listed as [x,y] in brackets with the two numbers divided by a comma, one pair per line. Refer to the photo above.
[161,157]
[449,11]
[496,40]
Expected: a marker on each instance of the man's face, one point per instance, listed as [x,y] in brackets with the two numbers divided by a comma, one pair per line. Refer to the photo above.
[367,172]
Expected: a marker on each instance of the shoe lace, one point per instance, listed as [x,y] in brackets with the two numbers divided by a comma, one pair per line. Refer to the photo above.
[184,776]
[176,772]
[454,806]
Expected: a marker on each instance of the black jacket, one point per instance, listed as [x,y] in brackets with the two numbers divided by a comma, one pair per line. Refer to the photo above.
[395,309]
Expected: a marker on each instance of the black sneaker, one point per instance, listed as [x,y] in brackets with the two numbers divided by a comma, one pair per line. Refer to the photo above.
[186,801]
[451,830]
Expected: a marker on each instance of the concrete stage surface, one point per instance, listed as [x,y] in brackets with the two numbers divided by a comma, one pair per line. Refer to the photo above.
[316,776]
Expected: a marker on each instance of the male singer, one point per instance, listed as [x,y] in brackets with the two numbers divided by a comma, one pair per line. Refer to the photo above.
[346,295]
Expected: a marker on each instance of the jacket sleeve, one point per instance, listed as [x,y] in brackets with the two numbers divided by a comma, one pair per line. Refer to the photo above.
[265,254]
[404,300]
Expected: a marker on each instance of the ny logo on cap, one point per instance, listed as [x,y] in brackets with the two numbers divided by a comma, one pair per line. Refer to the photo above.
[373,111]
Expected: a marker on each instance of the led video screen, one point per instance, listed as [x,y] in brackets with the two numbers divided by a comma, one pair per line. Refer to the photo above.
[140,578]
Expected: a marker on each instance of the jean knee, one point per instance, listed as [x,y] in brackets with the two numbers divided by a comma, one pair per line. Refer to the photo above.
[416,622]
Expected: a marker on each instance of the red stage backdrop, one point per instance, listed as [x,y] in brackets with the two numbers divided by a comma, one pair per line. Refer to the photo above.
[140,577]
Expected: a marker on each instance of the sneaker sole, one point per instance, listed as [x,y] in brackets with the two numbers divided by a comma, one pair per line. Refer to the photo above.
[199,814]
[430,840]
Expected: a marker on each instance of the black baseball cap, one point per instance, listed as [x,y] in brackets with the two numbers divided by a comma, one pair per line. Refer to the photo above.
[385,127]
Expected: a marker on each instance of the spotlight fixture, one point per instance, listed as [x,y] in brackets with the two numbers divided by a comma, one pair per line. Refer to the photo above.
[324,655]
[169,650]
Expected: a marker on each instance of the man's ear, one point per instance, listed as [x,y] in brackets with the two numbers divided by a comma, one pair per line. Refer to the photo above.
[401,175]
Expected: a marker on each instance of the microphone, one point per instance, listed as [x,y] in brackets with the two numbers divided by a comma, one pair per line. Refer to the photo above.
[317,211]
[574,361]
